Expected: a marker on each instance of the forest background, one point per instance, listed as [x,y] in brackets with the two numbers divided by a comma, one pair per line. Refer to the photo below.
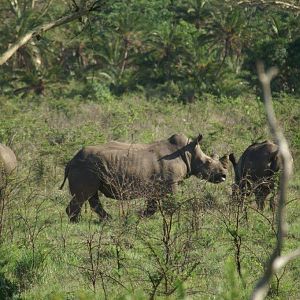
[178,48]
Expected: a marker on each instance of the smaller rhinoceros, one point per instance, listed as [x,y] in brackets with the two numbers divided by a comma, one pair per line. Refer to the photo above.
[8,162]
[127,171]
[254,172]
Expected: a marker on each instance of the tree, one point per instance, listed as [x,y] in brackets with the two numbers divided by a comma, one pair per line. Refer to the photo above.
[38,30]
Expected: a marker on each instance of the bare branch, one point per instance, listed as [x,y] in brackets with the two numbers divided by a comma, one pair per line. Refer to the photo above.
[281,4]
[280,262]
[275,261]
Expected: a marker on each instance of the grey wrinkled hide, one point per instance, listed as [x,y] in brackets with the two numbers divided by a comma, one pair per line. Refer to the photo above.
[255,170]
[8,162]
[126,171]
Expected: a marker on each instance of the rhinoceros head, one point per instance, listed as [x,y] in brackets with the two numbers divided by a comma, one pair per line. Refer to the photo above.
[212,168]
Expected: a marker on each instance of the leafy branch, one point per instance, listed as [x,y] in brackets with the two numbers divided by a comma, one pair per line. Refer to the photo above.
[38,30]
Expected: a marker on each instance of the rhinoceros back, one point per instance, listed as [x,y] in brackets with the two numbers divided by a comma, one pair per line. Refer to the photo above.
[120,160]
[259,160]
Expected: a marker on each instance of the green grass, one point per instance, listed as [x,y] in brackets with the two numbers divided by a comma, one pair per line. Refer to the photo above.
[43,256]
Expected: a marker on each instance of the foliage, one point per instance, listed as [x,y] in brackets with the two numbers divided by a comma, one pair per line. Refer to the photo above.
[198,46]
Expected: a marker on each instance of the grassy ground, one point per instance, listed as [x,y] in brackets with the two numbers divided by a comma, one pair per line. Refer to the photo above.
[187,249]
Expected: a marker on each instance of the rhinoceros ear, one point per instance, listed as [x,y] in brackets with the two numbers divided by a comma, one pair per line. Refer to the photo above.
[225,161]
[199,138]
[196,141]
[232,159]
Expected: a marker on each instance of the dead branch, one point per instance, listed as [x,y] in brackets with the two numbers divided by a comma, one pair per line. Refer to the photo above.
[276,261]
[280,4]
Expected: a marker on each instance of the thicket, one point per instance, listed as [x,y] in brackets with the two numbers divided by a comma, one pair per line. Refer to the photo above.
[180,48]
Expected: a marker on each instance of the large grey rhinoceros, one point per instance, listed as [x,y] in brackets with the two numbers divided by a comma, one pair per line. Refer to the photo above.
[126,171]
[8,162]
[254,171]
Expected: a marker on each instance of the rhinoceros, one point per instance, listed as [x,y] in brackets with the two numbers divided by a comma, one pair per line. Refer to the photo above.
[255,170]
[127,171]
[8,162]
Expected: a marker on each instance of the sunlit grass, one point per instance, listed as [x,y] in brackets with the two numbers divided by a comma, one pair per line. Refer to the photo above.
[46,257]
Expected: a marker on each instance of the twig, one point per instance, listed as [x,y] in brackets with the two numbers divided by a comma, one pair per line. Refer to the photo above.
[276,261]
[281,4]
[281,261]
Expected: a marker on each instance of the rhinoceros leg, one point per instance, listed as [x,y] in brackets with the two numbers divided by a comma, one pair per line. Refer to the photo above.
[152,202]
[73,209]
[98,208]
[262,192]
[151,208]
[260,198]
[272,190]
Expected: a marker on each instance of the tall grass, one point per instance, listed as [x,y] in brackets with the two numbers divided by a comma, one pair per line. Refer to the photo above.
[187,249]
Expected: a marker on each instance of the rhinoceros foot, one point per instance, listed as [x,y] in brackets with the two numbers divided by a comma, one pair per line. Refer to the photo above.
[105,217]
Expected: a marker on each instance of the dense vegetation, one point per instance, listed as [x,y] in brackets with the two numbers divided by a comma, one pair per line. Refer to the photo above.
[140,71]
[178,48]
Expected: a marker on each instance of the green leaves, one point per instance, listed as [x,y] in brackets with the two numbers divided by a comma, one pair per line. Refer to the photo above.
[196,46]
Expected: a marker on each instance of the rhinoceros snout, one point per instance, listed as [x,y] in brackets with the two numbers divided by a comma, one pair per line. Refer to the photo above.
[219,177]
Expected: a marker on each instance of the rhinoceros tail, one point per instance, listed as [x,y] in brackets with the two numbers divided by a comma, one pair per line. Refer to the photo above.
[66,175]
